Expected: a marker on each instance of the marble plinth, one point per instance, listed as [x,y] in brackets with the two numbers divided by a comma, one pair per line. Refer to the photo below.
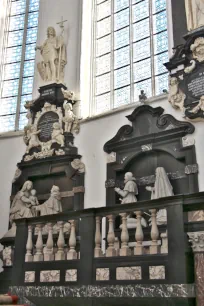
[101,291]
[199,274]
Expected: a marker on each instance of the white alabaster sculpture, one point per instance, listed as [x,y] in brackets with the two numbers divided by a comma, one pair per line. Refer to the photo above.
[69,117]
[32,136]
[199,106]
[130,190]
[54,55]
[128,195]
[53,204]
[22,203]
[57,134]
[77,164]
[162,188]
[194,14]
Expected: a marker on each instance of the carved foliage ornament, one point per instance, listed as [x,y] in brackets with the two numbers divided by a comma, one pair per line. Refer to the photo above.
[197,241]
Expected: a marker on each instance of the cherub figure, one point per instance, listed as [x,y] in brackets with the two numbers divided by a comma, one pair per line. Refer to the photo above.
[33,198]
[69,117]
[57,134]
[33,138]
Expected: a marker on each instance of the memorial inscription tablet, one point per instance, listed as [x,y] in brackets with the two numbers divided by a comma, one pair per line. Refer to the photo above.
[45,125]
[195,85]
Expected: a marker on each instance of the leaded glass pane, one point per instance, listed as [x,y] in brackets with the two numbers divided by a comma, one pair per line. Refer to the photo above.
[7,123]
[103,27]
[30,52]
[27,86]
[142,70]
[32,19]
[18,7]
[141,30]
[15,38]
[144,85]
[12,71]
[13,54]
[159,22]
[122,57]
[160,42]
[121,38]
[10,88]
[120,4]
[31,35]
[122,77]
[158,5]
[23,121]
[29,68]
[104,10]
[103,83]
[140,10]
[136,1]
[8,106]
[23,102]
[103,64]
[122,96]
[16,22]
[161,83]
[121,19]
[34,5]
[102,103]
[141,50]
[103,45]
[159,61]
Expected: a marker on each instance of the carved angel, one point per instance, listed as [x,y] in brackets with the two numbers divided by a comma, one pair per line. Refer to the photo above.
[176,96]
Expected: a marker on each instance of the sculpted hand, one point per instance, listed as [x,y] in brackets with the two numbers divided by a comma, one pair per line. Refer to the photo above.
[117,189]
[149,188]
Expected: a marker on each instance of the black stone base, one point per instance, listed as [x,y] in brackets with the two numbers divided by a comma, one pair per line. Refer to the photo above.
[129,295]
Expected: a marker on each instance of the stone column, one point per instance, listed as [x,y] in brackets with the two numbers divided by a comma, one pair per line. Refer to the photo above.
[197,240]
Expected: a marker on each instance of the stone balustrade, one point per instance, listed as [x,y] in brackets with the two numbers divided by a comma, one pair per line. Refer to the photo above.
[47,246]
[122,246]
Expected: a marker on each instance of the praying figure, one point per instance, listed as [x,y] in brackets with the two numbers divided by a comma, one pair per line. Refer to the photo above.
[54,56]
[130,190]
[52,205]
[128,195]
[162,188]
[194,14]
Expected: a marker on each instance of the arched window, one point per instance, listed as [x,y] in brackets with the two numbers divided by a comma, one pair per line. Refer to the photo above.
[130,47]
[18,63]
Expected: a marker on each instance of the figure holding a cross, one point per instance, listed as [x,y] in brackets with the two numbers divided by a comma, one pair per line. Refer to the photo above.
[54,55]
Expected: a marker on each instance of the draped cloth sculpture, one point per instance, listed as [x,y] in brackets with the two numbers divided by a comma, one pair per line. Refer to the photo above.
[162,188]
[22,203]
[54,56]
[194,13]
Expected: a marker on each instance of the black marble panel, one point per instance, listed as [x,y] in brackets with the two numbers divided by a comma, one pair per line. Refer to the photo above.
[123,291]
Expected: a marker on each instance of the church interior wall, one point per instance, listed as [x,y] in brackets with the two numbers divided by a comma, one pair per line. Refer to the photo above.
[94,133]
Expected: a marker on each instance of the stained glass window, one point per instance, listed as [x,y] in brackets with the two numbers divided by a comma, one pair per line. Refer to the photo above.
[18,69]
[131,46]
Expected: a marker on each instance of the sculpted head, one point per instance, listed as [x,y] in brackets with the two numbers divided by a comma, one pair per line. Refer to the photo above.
[27,186]
[55,190]
[56,126]
[51,32]
[128,177]
[173,81]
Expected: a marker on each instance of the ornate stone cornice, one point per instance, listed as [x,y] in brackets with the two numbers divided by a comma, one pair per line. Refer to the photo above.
[197,241]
